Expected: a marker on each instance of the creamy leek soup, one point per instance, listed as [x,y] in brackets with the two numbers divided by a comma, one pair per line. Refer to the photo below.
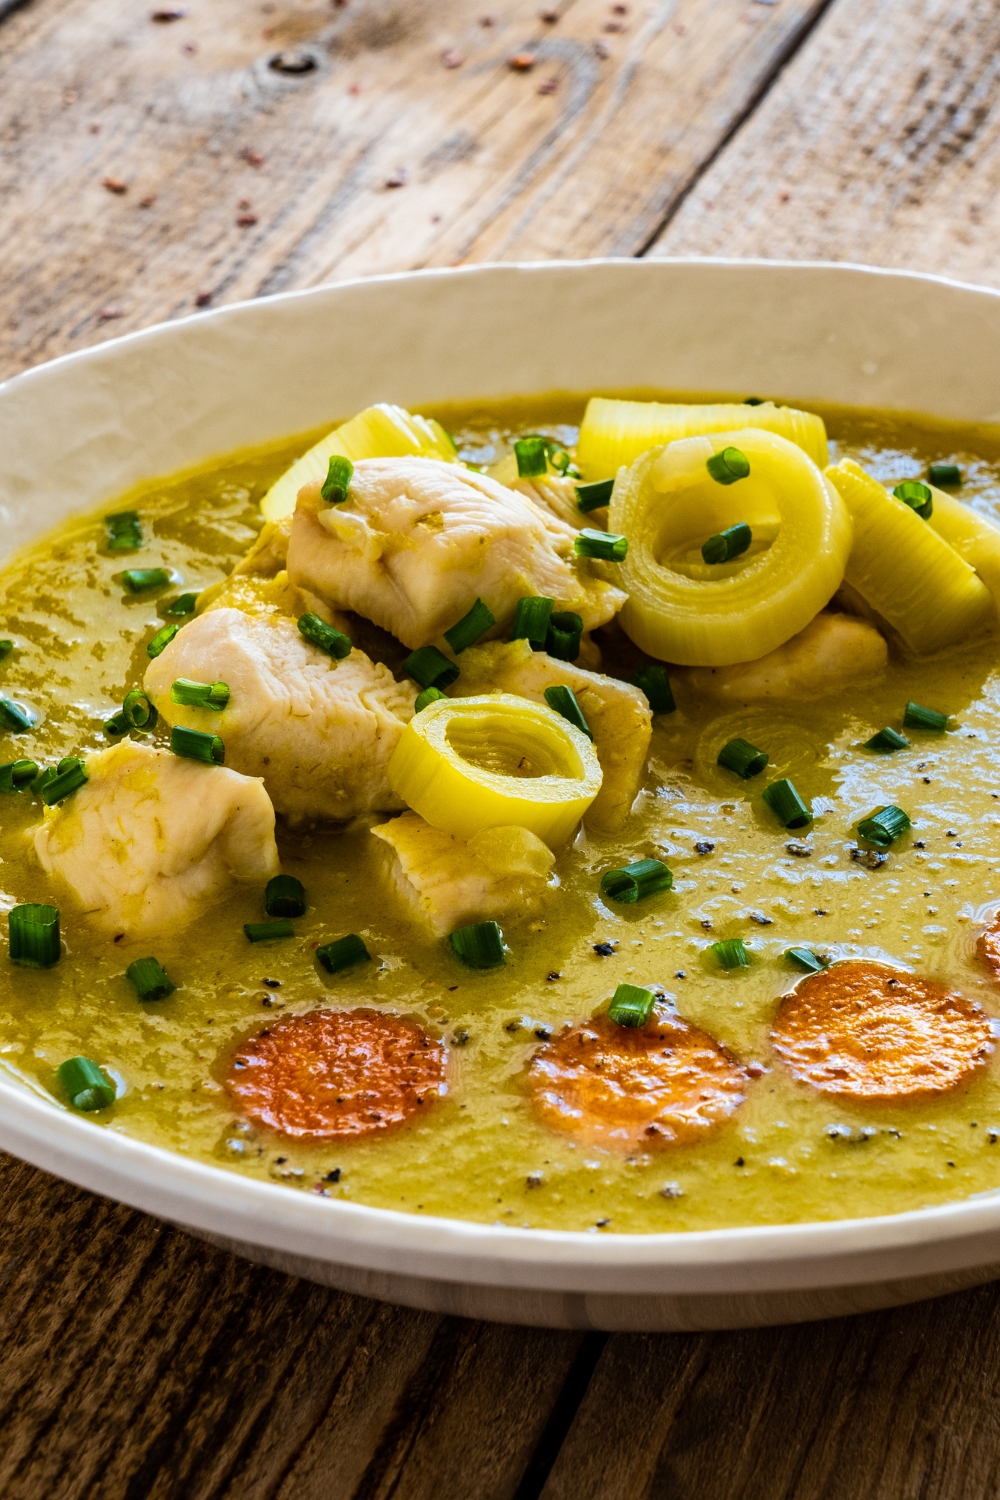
[577,816]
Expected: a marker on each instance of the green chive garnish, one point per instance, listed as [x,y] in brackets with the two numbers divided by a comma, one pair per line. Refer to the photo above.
[883,827]
[731,954]
[562,700]
[87,1086]
[117,725]
[429,695]
[466,631]
[604,545]
[593,496]
[184,604]
[6,647]
[161,640]
[284,896]
[727,544]
[343,953]
[563,639]
[149,979]
[34,936]
[42,780]
[213,695]
[531,620]
[917,496]
[138,710]
[332,641]
[646,877]
[728,466]
[655,683]
[480,946]
[916,716]
[268,932]
[124,531]
[531,457]
[69,778]
[631,1005]
[14,717]
[338,480]
[944,474]
[141,580]
[786,804]
[743,758]
[753,401]
[805,958]
[430,668]
[192,744]
[887,740]
[17,774]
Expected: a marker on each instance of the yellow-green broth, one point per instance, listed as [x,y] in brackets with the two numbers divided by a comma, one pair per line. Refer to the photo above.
[480,1153]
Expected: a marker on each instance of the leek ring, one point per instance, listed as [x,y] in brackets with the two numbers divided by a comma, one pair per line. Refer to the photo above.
[973,536]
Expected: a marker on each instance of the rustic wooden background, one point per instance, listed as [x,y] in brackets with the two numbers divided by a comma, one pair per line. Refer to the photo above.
[155,159]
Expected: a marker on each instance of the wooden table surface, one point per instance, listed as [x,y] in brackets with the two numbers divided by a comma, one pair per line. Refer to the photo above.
[156,160]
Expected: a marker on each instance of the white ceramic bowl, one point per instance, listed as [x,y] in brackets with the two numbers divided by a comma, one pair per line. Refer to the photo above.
[80,430]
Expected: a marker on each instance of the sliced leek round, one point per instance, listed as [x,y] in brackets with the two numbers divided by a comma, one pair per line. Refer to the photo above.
[614,433]
[380,431]
[469,764]
[973,536]
[681,609]
[903,567]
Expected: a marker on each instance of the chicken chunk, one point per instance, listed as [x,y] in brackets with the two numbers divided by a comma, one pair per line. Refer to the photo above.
[832,652]
[448,883]
[319,731]
[617,714]
[417,541]
[151,839]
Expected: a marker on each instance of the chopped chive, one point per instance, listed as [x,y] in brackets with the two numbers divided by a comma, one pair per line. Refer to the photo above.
[944,474]
[161,640]
[917,496]
[728,466]
[754,401]
[42,780]
[593,496]
[786,804]
[192,744]
[66,762]
[480,945]
[34,936]
[149,978]
[531,620]
[17,774]
[332,641]
[69,778]
[916,716]
[213,695]
[14,717]
[883,827]
[727,544]
[531,457]
[6,647]
[430,667]
[562,700]
[343,953]
[268,932]
[124,531]
[805,958]
[117,725]
[563,639]
[141,580]
[284,896]
[887,740]
[184,604]
[743,758]
[604,545]
[428,696]
[139,710]
[646,877]
[731,954]
[466,631]
[655,683]
[87,1086]
[338,480]
[631,1005]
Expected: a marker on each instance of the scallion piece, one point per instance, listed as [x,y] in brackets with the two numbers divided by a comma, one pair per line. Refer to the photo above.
[753,401]
[916,716]
[606,546]
[944,474]
[161,640]
[884,827]
[343,953]
[562,700]
[14,717]
[334,642]
[66,762]
[466,631]
[429,695]
[284,896]
[34,936]
[805,958]
[6,647]
[631,1005]
[480,946]
[117,725]
[70,776]
[124,531]
[213,695]
[141,580]
[743,758]
[655,683]
[917,496]
[184,604]
[338,480]
[593,496]
[87,1086]
[192,744]
[727,544]
[139,710]
[531,620]
[41,781]
[786,804]
[631,883]
[268,932]
[731,954]
[149,979]
[728,466]
[563,639]
[887,740]
[531,456]
[17,774]
[430,667]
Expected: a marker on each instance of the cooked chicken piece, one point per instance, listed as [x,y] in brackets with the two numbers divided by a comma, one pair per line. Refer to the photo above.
[417,541]
[152,839]
[259,583]
[832,652]
[557,495]
[319,731]
[618,715]
[448,883]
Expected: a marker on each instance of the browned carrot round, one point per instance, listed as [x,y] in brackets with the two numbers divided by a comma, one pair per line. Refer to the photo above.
[988,946]
[665,1082]
[330,1074]
[861,1030]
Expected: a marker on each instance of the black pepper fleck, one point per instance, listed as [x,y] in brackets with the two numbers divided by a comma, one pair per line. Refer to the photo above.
[605,950]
